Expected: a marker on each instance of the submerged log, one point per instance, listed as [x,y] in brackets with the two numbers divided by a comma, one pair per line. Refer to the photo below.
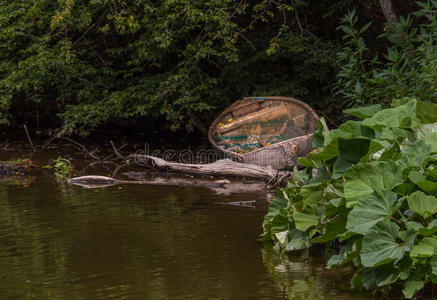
[220,168]
[219,186]
[262,178]
[96,181]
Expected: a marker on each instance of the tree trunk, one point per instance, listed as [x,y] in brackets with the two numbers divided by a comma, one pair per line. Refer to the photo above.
[388,11]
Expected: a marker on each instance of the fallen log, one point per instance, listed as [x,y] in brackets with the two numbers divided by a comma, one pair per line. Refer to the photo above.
[223,187]
[96,181]
[220,168]
[227,188]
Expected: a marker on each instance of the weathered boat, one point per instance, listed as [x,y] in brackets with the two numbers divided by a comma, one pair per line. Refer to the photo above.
[265,131]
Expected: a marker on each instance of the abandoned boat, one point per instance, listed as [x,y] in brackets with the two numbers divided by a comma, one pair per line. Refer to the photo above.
[265,131]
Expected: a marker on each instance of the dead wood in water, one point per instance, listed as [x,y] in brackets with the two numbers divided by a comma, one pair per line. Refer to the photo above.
[220,168]
[94,181]
[219,186]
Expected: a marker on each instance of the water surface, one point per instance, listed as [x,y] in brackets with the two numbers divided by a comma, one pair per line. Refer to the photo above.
[59,241]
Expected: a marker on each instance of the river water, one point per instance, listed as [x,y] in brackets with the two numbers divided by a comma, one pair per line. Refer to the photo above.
[59,241]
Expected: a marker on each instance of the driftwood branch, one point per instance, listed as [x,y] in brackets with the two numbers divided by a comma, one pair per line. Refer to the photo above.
[116,151]
[263,178]
[224,187]
[220,168]
[94,181]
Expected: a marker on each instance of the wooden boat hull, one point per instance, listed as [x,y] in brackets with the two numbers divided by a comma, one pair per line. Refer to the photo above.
[266,131]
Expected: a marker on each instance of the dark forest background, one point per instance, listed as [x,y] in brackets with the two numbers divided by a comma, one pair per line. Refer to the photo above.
[79,67]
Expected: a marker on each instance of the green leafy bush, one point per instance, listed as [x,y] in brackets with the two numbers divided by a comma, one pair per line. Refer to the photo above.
[79,65]
[62,168]
[371,74]
[369,185]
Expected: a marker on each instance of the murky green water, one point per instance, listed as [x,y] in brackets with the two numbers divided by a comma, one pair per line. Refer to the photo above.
[59,241]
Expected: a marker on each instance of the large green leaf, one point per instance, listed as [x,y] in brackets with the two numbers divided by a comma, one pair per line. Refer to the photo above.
[311,194]
[422,204]
[415,154]
[332,230]
[391,153]
[348,252]
[279,223]
[370,210]
[333,191]
[431,140]
[350,130]
[275,206]
[400,116]
[282,236]
[304,221]
[420,180]
[380,245]
[325,152]
[321,133]
[426,248]
[405,189]
[379,276]
[434,265]
[354,149]
[413,284]
[364,112]
[340,167]
[297,240]
[431,172]
[426,112]
[364,178]
[424,129]
[430,229]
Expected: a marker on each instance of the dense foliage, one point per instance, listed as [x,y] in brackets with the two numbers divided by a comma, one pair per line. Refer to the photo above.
[369,185]
[80,64]
[406,67]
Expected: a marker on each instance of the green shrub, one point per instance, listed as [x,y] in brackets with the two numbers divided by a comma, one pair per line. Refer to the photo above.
[373,192]
[62,168]
[80,65]
[408,67]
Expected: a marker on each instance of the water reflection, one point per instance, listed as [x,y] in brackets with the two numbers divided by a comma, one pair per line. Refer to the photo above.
[303,276]
[58,241]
